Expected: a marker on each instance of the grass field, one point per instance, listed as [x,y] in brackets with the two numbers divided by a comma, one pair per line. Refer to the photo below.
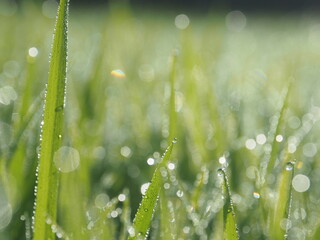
[239,92]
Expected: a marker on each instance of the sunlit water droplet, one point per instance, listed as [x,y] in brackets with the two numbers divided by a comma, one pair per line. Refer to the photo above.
[144,188]
[114,214]
[33,52]
[279,138]
[122,197]
[222,160]
[180,193]
[66,159]
[261,139]
[301,183]
[220,172]
[251,144]
[289,166]
[171,166]
[174,140]
[256,195]
[150,161]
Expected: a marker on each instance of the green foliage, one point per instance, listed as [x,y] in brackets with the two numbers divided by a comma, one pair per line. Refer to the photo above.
[142,220]
[244,100]
[48,173]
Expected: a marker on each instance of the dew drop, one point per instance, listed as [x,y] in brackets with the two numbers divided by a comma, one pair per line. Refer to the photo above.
[145,209]
[174,140]
[289,166]
[144,188]
[122,197]
[256,195]
[220,172]
[180,193]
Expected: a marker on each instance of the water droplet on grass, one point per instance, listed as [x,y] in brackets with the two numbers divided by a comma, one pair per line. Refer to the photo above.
[122,197]
[256,195]
[150,161]
[66,159]
[180,193]
[144,188]
[220,172]
[279,138]
[289,166]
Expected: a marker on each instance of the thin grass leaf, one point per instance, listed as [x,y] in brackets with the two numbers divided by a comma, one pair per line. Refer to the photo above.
[275,144]
[173,114]
[125,216]
[281,214]
[47,189]
[230,231]
[142,220]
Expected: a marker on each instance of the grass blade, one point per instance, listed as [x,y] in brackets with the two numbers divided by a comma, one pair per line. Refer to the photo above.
[173,114]
[142,220]
[47,190]
[230,231]
[283,204]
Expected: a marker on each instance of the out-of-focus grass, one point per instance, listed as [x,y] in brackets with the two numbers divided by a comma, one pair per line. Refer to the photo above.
[230,81]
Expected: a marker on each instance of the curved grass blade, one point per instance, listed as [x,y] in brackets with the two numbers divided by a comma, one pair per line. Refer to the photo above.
[283,204]
[230,231]
[47,189]
[142,220]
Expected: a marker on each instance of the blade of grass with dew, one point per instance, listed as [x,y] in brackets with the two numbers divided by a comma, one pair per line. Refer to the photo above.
[274,150]
[47,189]
[275,144]
[125,216]
[164,211]
[283,204]
[230,231]
[142,220]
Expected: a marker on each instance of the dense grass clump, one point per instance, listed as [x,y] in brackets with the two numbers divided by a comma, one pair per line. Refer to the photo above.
[238,91]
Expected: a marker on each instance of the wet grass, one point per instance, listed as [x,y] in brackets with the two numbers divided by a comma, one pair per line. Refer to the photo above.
[241,99]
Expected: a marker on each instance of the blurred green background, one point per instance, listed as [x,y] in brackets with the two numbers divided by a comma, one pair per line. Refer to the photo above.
[233,70]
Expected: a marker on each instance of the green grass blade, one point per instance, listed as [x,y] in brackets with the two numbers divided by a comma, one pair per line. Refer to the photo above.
[46,201]
[125,216]
[283,204]
[275,144]
[142,220]
[230,231]
[173,114]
